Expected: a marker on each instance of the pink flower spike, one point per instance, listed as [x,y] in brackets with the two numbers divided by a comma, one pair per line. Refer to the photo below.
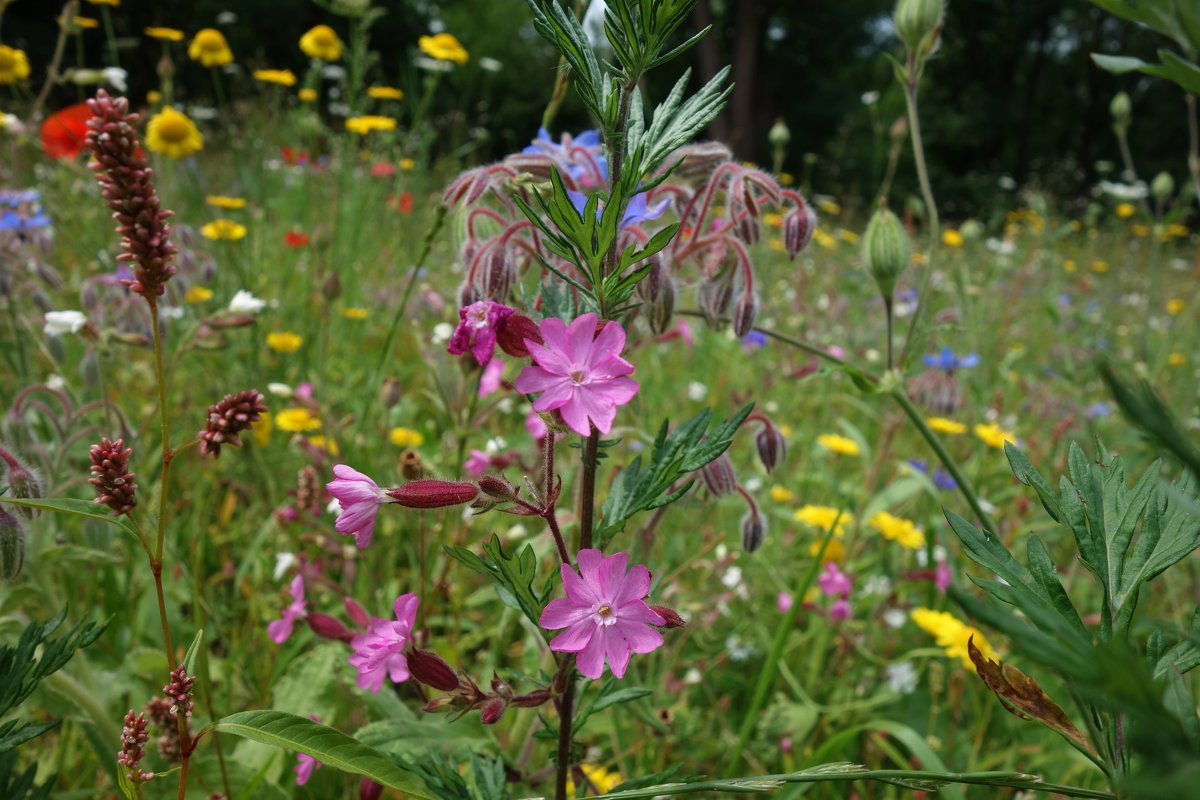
[578,373]
[360,498]
[604,613]
[281,629]
[379,652]
[834,582]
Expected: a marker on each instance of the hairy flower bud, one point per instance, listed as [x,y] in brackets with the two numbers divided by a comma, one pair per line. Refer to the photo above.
[799,224]
[493,710]
[670,615]
[497,487]
[512,333]
[886,250]
[714,298]
[918,23]
[718,476]
[390,392]
[497,273]
[12,545]
[1162,187]
[433,493]
[745,311]
[657,292]
[429,668]
[771,446]
[328,627]
[754,530]
[22,482]
[113,480]
[369,790]
[228,418]
[534,699]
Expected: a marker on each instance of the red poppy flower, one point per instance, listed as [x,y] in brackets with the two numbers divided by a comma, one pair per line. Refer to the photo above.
[402,202]
[382,169]
[295,239]
[63,133]
[293,157]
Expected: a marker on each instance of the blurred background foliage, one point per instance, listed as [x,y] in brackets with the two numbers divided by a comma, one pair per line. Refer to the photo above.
[1037,112]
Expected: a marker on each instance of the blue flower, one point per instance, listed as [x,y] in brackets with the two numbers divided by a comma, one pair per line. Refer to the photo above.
[1097,410]
[562,152]
[919,465]
[754,340]
[946,360]
[943,481]
[637,212]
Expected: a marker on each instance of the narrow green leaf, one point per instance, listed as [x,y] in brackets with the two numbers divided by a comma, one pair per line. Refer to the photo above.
[79,508]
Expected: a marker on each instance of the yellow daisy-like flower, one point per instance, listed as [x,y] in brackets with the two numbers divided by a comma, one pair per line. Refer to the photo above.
[1139,230]
[210,48]
[322,42]
[1176,359]
[994,436]
[952,634]
[307,95]
[835,551]
[406,437]
[153,97]
[296,420]
[849,237]
[198,294]
[283,77]
[824,239]
[261,429]
[224,229]
[902,531]
[952,238]
[777,245]
[828,207]
[14,64]
[85,22]
[841,445]
[946,426]
[773,219]
[1125,210]
[781,494]
[602,780]
[173,134]
[1174,306]
[385,93]
[354,313]
[165,34]
[284,342]
[443,47]
[1176,231]
[364,125]
[112,3]
[821,517]
[1069,266]
[1099,267]
[322,443]
[224,201]
[407,164]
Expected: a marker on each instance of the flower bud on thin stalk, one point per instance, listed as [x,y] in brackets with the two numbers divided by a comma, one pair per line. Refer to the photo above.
[433,493]
[718,476]
[22,482]
[771,446]
[753,524]
[919,25]
[657,293]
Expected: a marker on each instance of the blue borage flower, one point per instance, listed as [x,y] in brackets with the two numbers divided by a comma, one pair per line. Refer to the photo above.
[948,361]
[581,155]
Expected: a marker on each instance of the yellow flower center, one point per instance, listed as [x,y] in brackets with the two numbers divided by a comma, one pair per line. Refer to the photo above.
[8,59]
[210,41]
[578,376]
[323,36]
[174,128]
[605,611]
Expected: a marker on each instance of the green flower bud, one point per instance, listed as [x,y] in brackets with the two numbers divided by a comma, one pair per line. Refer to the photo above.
[918,23]
[1162,187]
[779,135]
[12,546]
[1121,108]
[886,250]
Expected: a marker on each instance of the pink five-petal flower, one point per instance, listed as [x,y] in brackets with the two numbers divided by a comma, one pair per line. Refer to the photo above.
[305,764]
[579,374]
[834,582]
[604,614]
[477,329]
[281,629]
[360,498]
[379,652]
[477,463]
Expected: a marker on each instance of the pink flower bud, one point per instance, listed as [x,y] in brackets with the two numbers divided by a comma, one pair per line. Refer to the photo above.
[718,476]
[433,494]
[534,699]
[369,790]
[798,227]
[328,627]
[493,710]
[512,334]
[429,668]
[670,616]
[771,446]
[745,311]
[357,612]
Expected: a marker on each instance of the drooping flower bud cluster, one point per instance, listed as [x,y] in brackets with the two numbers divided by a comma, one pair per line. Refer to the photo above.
[133,742]
[228,418]
[127,185]
[465,695]
[111,476]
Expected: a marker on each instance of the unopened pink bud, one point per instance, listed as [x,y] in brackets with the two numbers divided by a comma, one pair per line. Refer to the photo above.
[433,494]
[356,612]
[512,334]
[429,668]
[369,790]
[493,710]
[745,311]
[718,476]
[328,627]
[670,616]
[798,227]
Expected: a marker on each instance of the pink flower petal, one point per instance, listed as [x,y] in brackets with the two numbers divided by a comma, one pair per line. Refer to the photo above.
[635,586]
[563,613]
[590,659]
[642,638]
[579,338]
[617,649]
[612,576]
[575,638]
[574,414]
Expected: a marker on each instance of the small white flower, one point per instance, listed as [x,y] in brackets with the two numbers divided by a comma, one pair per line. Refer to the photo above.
[115,77]
[494,445]
[894,618]
[203,113]
[442,332]
[505,405]
[432,64]
[692,677]
[490,64]
[738,651]
[227,18]
[245,303]
[877,585]
[732,577]
[870,98]
[902,677]
[697,391]
[60,322]
[170,312]
[283,561]
[752,484]
[279,389]
[333,72]
[11,123]
[56,383]
[339,109]
[1125,191]
[334,507]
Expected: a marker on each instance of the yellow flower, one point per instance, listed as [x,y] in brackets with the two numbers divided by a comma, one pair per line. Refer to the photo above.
[198,294]
[1139,230]
[946,426]
[385,93]
[994,436]
[153,97]
[828,207]
[165,34]
[113,3]
[407,164]
[786,179]
[1069,266]
[849,237]
[322,42]
[785,431]
[601,780]
[296,420]
[824,239]
[773,219]
[443,47]
[307,95]
[85,22]
[835,551]
[1125,210]
[838,444]
[952,238]
[953,634]
[261,429]
[225,229]
[777,245]
[284,342]
[321,443]
[364,125]
[1176,230]
[210,48]
[781,494]
[920,259]
[1176,359]
[1099,267]
[14,64]
[224,201]
[354,313]
[283,77]
[1174,306]
[902,531]
[173,134]
[821,517]
[406,437]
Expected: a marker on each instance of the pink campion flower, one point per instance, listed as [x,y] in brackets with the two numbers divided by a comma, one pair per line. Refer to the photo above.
[834,582]
[604,613]
[305,764]
[783,602]
[942,577]
[360,498]
[579,374]
[477,328]
[840,610]
[281,629]
[379,652]
[489,381]
[535,425]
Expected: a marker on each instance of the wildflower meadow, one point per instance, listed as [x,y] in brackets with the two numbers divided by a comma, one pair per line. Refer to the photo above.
[514,399]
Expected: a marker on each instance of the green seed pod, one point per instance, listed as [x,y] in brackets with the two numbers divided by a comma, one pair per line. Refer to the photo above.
[886,250]
[1162,187]
[1121,108]
[779,135]
[12,546]
[919,24]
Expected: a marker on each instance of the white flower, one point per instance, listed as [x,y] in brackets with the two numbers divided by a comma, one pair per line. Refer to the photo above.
[1125,191]
[505,406]
[56,383]
[170,312]
[494,445]
[492,65]
[752,484]
[60,322]
[1007,183]
[895,618]
[203,113]
[737,650]
[245,303]
[226,18]
[333,72]
[877,584]
[282,562]
[442,332]
[692,677]
[732,576]
[697,391]
[279,389]
[115,76]
[334,507]
[11,123]
[902,677]
[1004,247]
[870,98]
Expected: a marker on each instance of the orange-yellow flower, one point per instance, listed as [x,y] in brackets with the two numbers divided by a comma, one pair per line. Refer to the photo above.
[283,77]
[173,134]
[225,229]
[443,47]
[14,64]
[210,48]
[952,634]
[385,93]
[165,34]
[284,342]
[321,42]
[365,124]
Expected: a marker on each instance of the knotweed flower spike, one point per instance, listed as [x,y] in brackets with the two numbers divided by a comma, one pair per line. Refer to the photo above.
[113,480]
[379,653]
[229,418]
[604,614]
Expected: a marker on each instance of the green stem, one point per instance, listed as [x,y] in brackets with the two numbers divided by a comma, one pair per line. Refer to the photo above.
[110,35]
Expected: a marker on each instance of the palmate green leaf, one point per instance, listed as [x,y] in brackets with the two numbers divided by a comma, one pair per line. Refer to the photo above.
[331,747]
[513,575]
[1024,471]
[78,508]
